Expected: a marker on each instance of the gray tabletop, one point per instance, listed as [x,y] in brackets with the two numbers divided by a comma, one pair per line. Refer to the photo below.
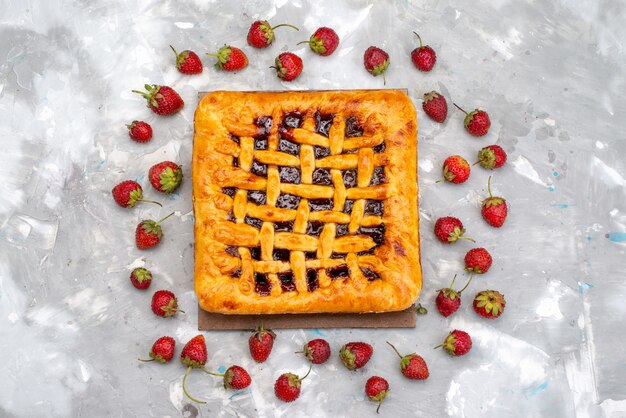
[551,76]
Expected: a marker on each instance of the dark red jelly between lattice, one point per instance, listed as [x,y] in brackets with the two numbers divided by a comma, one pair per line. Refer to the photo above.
[262,285]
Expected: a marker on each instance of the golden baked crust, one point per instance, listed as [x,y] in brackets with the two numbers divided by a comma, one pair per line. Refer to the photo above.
[307,243]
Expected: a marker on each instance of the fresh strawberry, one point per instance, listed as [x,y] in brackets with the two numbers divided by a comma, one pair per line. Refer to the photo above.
[448,300]
[489,304]
[164,304]
[261,343]
[188,62]
[162,350]
[261,33]
[287,386]
[128,193]
[323,42]
[235,377]
[376,389]
[450,229]
[376,61]
[423,57]
[317,351]
[490,157]
[355,355]
[194,356]
[149,233]
[478,260]
[455,169]
[288,66]
[457,343]
[141,278]
[412,365]
[163,100]
[139,131]
[165,176]
[230,58]
[476,122]
[435,106]
[494,209]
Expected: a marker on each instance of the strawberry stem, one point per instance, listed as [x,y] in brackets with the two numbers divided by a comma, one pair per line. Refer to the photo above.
[285,24]
[467,238]
[307,373]
[439,346]
[145,361]
[185,389]
[165,218]
[211,373]
[144,94]
[477,162]
[213,55]
[379,404]
[175,53]
[466,284]
[452,284]
[303,42]
[384,79]
[394,349]
[419,38]
[457,106]
[489,186]
[149,201]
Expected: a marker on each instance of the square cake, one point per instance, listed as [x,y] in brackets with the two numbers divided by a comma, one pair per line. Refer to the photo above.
[306,202]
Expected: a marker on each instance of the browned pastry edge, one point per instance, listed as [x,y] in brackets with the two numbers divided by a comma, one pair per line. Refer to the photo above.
[399,254]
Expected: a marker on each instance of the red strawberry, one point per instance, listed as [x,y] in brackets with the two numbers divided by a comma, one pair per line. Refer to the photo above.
[165,176]
[128,193]
[162,350]
[450,229]
[376,389]
[235,377]
[476,122]
[355,355]
[323,42]
[412,365]
[423,57]
[230,58]
[288,66]
[490,157]
[287,386]
[188,62]
[194,356]
[376,61]
[317,351]
[139,131]
[448,300]
[261,343]
[489,304]
[457,343]
[164,304]
[149,233]
[163,100]
[261,33]
[141,278]
[435,106]
[455,169]
[494,209]
[478,260]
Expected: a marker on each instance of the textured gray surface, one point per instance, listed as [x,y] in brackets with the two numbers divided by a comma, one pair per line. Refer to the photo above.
[551,75]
